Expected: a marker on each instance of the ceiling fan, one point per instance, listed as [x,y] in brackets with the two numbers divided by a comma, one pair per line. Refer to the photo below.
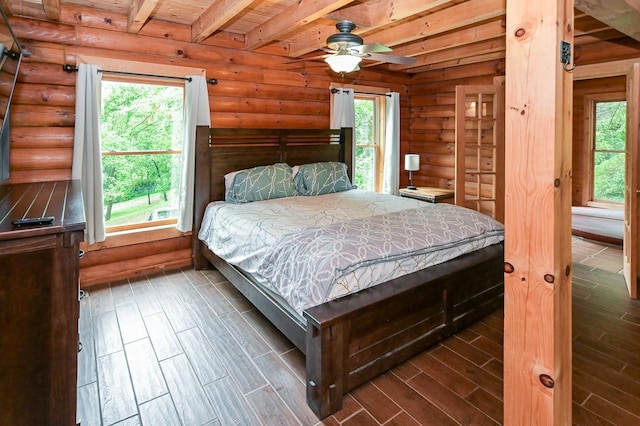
[346,50]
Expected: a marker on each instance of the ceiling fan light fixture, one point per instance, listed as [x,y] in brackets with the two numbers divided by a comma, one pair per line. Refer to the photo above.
[343,63]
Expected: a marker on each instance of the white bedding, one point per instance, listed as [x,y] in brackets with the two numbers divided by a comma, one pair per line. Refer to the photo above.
[346,241]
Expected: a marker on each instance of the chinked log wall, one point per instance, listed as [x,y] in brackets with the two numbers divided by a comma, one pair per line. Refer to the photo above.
[254,90]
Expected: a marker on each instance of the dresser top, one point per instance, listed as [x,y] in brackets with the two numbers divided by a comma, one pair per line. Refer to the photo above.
[60,199]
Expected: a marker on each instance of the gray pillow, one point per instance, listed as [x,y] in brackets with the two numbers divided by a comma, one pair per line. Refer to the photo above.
[259,183]
[322,178]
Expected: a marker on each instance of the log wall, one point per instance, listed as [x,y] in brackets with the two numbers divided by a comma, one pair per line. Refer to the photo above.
[432,133]
[432,110]
[254,90]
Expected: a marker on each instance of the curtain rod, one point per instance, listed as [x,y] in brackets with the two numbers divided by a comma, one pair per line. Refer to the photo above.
[334,91]
[72,68]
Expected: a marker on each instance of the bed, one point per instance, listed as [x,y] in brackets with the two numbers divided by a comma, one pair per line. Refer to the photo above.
[354,338]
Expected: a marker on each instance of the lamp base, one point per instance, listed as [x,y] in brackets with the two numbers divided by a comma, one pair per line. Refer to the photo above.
[411,187]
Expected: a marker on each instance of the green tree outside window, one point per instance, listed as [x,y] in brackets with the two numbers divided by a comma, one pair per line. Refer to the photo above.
[609,158]
[141,136]
[365,151]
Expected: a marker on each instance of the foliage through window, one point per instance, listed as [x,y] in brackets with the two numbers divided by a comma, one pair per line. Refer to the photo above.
[141,136]
[608,151]
[367,142]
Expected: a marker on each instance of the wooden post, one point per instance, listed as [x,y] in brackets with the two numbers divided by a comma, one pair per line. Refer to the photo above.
[537,339]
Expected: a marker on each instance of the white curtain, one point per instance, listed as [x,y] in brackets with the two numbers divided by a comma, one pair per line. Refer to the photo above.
[196,113]
[344,115]
[344,111]
[391,161]
[87,161]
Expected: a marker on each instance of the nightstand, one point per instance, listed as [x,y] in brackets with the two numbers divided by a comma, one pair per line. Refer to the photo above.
[429,194]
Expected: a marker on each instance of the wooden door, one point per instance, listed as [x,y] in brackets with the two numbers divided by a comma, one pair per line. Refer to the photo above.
[479,149]
[631,250]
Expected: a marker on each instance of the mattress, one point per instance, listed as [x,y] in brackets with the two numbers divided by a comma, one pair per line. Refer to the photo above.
[311,249]
[598,222]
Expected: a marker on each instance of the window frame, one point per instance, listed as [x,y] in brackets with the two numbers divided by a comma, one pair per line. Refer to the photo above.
[140,226]
[379,108]
[124,238]
[380,93]
[590,135]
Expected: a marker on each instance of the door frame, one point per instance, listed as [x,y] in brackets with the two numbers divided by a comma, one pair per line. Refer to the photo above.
[631,245]
[613,69]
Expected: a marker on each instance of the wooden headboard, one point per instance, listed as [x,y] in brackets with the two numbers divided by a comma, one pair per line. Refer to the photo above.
[221,151]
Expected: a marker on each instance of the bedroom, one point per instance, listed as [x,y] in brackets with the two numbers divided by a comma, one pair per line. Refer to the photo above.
[254,88]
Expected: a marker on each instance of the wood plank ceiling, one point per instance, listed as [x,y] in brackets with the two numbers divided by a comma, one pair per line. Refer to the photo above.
[438,33]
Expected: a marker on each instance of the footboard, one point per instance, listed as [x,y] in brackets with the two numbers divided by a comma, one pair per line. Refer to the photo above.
[356,338]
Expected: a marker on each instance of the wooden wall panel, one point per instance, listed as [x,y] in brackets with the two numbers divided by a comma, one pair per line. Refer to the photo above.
[432,127]
[253,90]
[431,132]
[127,261]
[35,137]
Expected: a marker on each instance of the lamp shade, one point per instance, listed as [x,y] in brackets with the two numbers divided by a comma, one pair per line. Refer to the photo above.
[343,63]
[412,162]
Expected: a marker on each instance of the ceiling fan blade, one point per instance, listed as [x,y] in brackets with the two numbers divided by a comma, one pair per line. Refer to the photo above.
[371,47]
[394,59]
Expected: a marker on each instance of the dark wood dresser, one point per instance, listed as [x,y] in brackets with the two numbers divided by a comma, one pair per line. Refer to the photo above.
[39,305]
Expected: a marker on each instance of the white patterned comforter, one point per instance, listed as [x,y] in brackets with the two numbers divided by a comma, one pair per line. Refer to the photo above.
[314,249]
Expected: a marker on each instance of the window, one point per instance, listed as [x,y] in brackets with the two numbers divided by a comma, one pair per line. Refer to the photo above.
[141,136]
[609,139]
[368,135]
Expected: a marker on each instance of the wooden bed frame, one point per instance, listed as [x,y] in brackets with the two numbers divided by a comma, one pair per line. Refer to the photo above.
[352,339]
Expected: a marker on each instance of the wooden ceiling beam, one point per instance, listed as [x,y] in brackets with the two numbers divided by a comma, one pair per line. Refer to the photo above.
[388,11]
[604,50]
[472,34]
[596,37]
[458,53]
[452,64]
[360,14]
[139,13]
[382,12]
[292,18]
[623,15]
[52,9]
[468,13]
[396,11]
[218,14]
[588,24]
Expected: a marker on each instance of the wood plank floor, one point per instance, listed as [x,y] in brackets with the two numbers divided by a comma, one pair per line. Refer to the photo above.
[186,348]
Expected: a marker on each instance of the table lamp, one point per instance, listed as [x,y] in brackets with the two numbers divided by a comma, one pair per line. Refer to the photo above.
[411,163]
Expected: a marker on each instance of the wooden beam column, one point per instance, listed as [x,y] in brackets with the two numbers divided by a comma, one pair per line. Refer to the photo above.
[537,338]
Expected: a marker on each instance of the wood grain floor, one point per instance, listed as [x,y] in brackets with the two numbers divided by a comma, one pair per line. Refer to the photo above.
[186,348]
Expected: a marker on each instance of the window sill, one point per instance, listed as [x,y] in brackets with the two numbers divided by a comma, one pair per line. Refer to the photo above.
[605,205]
[137,236]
